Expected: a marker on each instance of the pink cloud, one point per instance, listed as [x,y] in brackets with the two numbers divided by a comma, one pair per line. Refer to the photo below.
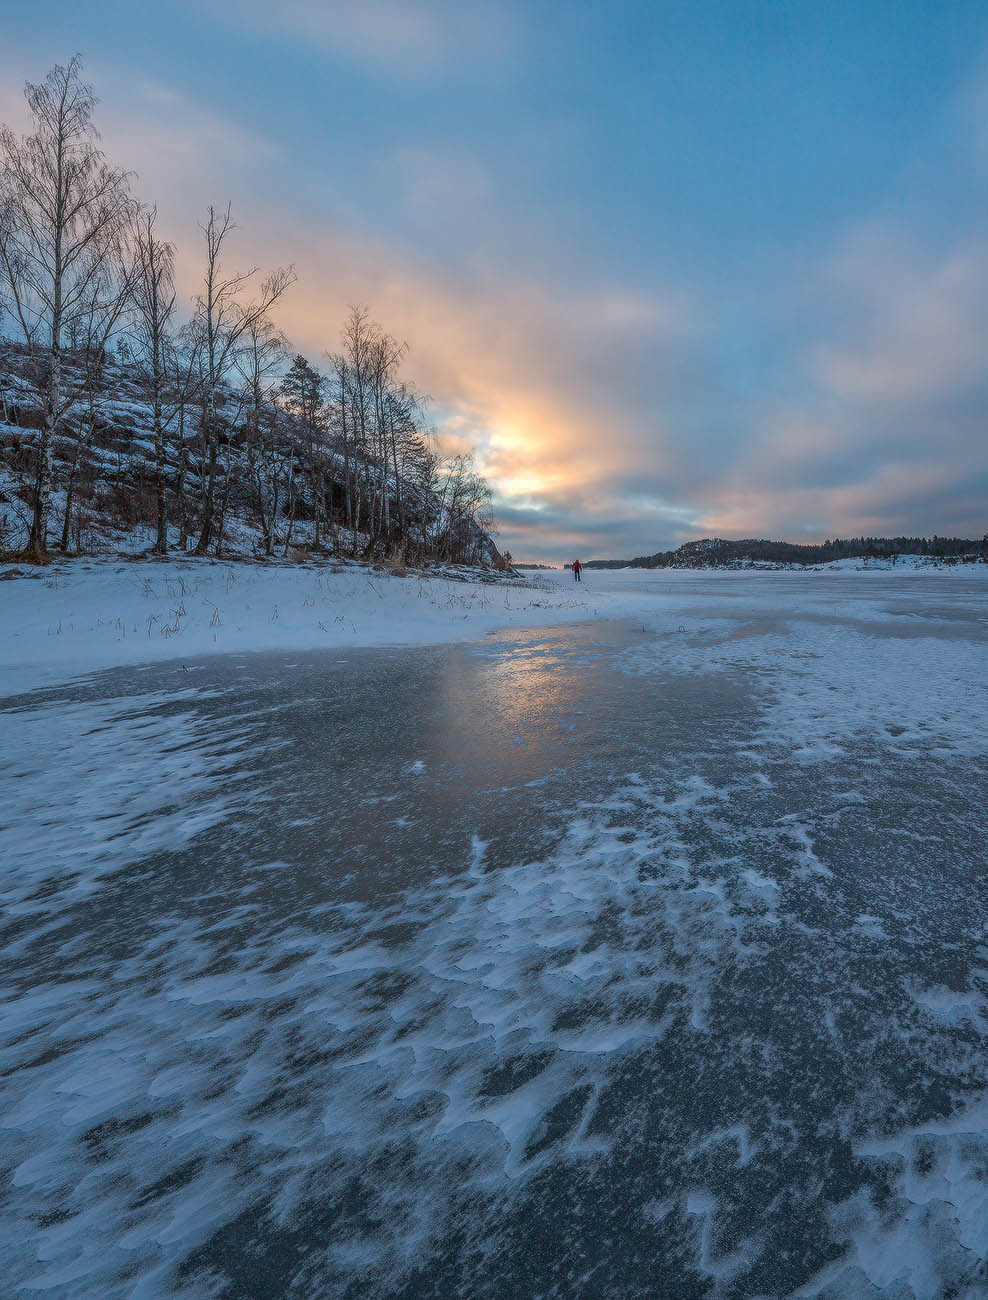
[504,358]
[916,323]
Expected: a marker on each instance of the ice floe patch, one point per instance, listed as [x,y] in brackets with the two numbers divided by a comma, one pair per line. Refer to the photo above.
[412,1072]
[956,1007]
[470,1024]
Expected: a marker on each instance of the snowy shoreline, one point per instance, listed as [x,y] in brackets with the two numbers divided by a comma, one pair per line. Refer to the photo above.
[81,616]
[85,615]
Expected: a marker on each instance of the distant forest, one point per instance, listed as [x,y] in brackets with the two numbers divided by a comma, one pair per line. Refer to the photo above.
[129,419]
[718,551]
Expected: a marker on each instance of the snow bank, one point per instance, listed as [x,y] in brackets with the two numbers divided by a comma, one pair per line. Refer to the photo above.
[87,615]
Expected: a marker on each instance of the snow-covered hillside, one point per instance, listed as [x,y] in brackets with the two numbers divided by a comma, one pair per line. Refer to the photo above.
[281,486]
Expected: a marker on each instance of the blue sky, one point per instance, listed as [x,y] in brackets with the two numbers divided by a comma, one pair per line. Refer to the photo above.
[676,269]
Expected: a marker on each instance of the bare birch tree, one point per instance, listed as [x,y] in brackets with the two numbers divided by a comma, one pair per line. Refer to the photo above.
[269,446]
[89,336]
[464,515]
[62,214]
[167,382]
[221,322]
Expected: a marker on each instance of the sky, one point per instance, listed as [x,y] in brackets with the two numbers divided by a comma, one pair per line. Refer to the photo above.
[674,269]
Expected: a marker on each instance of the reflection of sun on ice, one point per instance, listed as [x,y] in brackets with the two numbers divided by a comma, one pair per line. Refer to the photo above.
[530,689]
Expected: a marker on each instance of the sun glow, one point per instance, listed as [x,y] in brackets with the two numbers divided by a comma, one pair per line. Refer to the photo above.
[526,486]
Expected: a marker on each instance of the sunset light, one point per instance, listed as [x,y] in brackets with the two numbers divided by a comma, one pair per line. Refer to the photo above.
[494,649]
[664,270]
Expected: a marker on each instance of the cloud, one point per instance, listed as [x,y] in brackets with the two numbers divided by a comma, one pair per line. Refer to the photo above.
[543,380]
[183,153]
[853,474]
[603,414]
[414,39]
[614,415]
[438,182]
[915,323]
[535,371]
[176,143]
[914,498]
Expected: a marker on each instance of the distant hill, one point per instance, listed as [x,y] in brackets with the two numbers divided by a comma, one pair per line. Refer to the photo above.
[718,552]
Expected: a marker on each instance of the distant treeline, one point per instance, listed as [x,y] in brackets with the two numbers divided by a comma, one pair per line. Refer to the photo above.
[720,551]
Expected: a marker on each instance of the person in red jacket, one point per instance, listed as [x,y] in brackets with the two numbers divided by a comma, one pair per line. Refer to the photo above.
[577,570]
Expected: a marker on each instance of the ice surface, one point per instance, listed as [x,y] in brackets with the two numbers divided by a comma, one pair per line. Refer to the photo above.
[582,962]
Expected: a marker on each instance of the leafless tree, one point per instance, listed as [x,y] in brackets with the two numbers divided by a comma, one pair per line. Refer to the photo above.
[407,448]
[386,354]
[82,265]
[154,305]
[353,368]
[270,443]
[63,211]
[182,374]
[340,419]
[90,334]
[464,513]
[221,322]
[373,414]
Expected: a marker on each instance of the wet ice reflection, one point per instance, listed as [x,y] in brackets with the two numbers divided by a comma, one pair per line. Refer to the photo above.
[494,972]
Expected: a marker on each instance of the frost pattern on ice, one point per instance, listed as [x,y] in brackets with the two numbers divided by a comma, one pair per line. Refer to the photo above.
[727,1021]
[98,784]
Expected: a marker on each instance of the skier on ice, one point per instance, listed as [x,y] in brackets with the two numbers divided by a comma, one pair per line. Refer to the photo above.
[577,570]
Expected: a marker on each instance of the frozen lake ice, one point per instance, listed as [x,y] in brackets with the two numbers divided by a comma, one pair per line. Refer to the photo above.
[613,960]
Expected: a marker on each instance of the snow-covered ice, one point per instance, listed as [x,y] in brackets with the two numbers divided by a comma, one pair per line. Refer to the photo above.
[100,613]
[631,947]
